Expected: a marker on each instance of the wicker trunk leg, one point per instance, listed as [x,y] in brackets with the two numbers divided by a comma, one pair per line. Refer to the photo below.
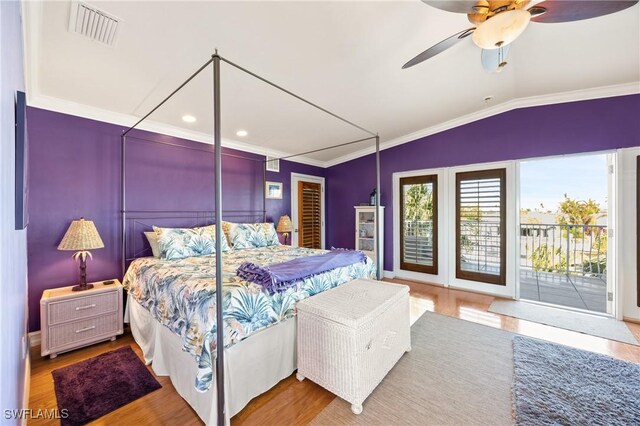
[356,408]
[300,377]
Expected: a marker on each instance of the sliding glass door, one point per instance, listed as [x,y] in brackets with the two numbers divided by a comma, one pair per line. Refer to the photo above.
[419,224]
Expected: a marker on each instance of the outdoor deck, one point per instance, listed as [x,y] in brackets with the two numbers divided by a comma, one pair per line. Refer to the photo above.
[574,291]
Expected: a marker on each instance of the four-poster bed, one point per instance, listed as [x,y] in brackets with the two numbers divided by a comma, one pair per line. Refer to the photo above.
[253,364]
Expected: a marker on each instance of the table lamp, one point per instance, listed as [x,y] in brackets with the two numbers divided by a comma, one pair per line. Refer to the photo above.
[285,226]
[81,236]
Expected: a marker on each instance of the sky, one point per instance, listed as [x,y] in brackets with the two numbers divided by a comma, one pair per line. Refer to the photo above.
[546,181]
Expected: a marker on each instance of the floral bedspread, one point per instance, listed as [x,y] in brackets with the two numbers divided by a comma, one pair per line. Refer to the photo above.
[180,294]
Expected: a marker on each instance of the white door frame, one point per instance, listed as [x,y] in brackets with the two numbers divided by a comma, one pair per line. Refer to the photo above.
[614,308]
[613,285]
[299,177]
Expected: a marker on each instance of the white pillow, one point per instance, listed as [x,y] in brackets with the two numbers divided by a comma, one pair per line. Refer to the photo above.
[154,242]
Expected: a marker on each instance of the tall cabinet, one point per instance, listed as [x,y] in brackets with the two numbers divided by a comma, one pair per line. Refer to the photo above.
[366,232]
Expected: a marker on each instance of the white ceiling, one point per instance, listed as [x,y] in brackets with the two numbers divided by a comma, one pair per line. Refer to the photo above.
[344,56]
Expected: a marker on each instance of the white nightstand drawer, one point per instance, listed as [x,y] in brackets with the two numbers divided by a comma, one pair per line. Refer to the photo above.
[82,307]
[77,331]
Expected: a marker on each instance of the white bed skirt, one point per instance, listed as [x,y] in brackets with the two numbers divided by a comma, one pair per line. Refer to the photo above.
[252,366]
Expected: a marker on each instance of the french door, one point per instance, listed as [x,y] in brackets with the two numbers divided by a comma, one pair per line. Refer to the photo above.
[480,226]
[419,224]
[457,227]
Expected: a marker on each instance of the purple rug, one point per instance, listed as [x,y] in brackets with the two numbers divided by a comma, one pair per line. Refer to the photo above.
[94,387]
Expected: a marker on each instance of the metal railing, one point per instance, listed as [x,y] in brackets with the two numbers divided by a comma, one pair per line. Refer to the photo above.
[567,249]
[418,241]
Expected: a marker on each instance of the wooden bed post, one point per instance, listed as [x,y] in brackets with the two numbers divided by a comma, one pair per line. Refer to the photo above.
[217,190]
[379,260]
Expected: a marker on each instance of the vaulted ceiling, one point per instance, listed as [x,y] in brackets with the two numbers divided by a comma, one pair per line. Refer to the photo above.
[344,56]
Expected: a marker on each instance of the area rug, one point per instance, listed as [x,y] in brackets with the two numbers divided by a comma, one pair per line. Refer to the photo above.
[457,373]
[94,387]
[594,325]
[559,385]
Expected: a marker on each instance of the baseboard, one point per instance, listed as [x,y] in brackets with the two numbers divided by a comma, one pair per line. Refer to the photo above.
[632,320]
[27,387]
[388,274]
[34,338]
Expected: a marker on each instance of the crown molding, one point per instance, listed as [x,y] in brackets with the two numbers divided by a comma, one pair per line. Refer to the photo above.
[532,101]
[127,120]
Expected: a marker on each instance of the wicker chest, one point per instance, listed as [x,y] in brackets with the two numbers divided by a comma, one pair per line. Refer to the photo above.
[351,336]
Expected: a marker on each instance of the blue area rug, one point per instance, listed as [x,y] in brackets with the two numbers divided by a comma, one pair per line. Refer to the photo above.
[558,385]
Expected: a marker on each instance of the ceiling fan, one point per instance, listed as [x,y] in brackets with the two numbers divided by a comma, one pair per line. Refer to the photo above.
[499,22]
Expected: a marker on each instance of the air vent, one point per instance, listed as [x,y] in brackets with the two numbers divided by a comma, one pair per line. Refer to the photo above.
[93,23]
[273,164]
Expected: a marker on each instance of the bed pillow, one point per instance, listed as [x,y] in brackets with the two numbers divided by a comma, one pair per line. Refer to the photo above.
[250,235]
[178,243]
[226,228]
[152,237]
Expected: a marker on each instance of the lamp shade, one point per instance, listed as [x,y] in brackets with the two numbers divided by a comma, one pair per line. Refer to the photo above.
[81,235]
[501,29]
[284,224]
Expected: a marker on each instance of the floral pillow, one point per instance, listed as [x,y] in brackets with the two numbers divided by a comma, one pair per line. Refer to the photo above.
[249,235]
[178,243]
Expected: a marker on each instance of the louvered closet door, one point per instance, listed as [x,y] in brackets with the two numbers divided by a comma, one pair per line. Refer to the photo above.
[309,215]
[481,226]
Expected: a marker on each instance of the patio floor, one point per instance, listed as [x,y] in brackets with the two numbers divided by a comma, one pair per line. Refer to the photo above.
[574,291]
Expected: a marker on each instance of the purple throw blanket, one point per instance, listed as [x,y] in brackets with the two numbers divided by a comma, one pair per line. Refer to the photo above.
[278,277]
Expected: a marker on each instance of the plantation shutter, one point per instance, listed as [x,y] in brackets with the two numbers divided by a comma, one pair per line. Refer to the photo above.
[309,215]
[480,226]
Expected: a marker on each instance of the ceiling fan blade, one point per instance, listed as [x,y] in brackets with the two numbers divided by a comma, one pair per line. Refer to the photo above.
[494,60]
[440,47]
[456,6]
[577,10]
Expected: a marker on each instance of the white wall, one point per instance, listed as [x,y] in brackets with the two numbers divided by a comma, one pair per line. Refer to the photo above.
[626,233]
[14,368]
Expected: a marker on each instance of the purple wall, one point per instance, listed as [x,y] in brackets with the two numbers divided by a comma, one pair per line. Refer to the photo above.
[524,133]
[276,208]
[75,171]
[74,165]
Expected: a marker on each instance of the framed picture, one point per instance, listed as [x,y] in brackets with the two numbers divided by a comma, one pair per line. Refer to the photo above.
[273,190]
[21,166]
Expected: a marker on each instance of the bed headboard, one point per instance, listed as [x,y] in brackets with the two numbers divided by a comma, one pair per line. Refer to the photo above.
[136,223]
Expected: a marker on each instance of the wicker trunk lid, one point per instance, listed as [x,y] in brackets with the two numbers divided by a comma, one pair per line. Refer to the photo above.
[355,303]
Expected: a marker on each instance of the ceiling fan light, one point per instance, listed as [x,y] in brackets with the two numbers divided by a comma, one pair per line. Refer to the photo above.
[501,29]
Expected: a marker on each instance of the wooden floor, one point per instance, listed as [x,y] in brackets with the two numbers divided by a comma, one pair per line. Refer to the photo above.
[293,402]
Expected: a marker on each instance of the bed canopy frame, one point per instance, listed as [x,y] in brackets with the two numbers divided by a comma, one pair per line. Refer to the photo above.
[217,214]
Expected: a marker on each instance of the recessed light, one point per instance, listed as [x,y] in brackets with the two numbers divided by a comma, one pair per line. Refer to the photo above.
[188,119]
[242,133]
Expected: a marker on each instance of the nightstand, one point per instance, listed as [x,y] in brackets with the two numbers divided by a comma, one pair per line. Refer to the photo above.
[73,319]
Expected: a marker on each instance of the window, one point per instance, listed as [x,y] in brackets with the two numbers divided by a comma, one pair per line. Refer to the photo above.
[480,226]
[419,224]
